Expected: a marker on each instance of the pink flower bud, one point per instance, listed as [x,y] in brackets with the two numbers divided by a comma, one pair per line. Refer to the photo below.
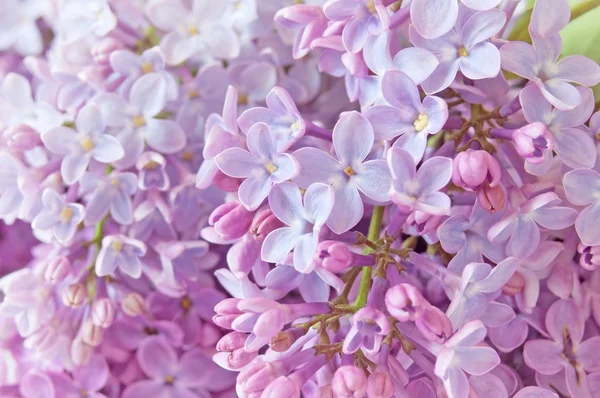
[57,269]
[81,352]
[491,199]
[240,358]
[231,341]
[74,295]
[231,220]
[226,313]
[349,381]
[102,49]
[92,334]
[333,256]
[281,387]
[532,140]
[226,183]
[403,301]
[103,312]
[282,341]
[434,324]
[21,138]
[256,376]
[473,168]
[380,385]
[133,304]
[263,223]
[514,285]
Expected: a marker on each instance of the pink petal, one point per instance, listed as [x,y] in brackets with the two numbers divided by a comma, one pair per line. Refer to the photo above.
[157,358]
[543,356]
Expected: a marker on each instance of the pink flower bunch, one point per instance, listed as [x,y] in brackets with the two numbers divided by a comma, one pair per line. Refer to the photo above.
[264,199]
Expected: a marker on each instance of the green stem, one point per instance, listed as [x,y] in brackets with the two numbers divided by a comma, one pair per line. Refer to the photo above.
[373,236]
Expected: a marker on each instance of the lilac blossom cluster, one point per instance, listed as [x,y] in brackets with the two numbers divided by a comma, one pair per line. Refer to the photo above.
[280,198]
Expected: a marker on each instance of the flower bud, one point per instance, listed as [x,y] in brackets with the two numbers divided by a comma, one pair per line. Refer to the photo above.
[380,385]
[532,140]
[263,223]
[22,138]
[92,334]
[81,352]
[589,256]
[57,269]
[231,341]
[514,285]
[281,387]
[282,341]
[103,312]
[231,220]
[434,324]
[74,295]
[236,359]
[226,183]
[349,381]
[133,304]
[491,199]
[473,168]
[102,50]
[256,376]
[333,256]
[403,301]
[226,313]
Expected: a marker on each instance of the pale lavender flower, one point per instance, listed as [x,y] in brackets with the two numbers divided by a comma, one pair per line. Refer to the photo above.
[78,20]
[349,174]
[79,147]
[58,216]
[369,328]
[304,218]
[112,193]
[414,120]
[466,48]
[120,252]
[20,30]
[152,172]
[87,380]
[582,187]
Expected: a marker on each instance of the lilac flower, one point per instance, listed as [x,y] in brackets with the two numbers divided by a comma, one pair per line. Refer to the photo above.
[58,216]
[582,187]
[262,167]
[309,19]
[110,194]
[191,32]
[479,285]
[538,64]
[418,190]
[463,353]
[521,224]
[304,218]
[574,146]
[122,252]
[135,119]
[90,141]
[169,375]
[466,49]
[369,327]
[152,172]
[363,17]
[407,116]
[565,350]
[352,141]
[20,29]
[433,18]
[87,380]
[95,16]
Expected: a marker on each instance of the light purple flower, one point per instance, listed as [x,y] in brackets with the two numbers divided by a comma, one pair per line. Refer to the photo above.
[120,252]
[462,354]
[419,190]
[58,216]
[582,187]
[86,380]
[262,167]
[167,374]
[521,224]
[152,171]
[135,119]
[304,218]
[433,18]
[79,20]
[349,174]
[363,17]
[466,48]
[538,64]
[407,116]
[310,22]
[112,193]
[369,328]
[89,141]
[574,146]
[566,350]
[20,30]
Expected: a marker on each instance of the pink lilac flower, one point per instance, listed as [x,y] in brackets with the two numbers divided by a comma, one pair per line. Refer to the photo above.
[120,252]
[58,216]
[581,188]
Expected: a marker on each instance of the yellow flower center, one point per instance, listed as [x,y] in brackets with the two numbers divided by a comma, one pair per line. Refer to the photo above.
[147,67]
[462,52]
[187,156]
[138,121]
[186,303]
[87,144]
[114,182]
[349,171]
[242,99]
[66,214]
[371,7]
[169,379]
[193,30]
[271,168]
[295,125]
[116,246]
[421,122]
[151,165]
[193,94]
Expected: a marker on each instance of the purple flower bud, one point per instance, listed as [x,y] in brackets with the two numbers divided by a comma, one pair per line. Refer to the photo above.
[103,312]
[231,220]
[281,387]
[226,312]
[256,376]
[92,334]
[133,304]
[81,352]
[589,256]
[102,49]
[226,183]
[491,199]
[532,141]
[57,269]
[404,301]
[473,168]
[74,295]
[231,341]
[333,256]
[434,324]
[380,385]
[349,381]
[235,359]
[514,285]
[22,138]
[263,223]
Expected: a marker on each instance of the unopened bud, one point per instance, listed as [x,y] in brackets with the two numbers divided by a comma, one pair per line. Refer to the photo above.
[57,269]
[74,295]
[81,352]
[349,381]
[103,312]
[491,199]
[92,334]
[514,285]
[231,220]
[133,304]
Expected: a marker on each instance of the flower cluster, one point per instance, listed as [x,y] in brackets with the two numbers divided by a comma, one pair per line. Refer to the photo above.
[257,198]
